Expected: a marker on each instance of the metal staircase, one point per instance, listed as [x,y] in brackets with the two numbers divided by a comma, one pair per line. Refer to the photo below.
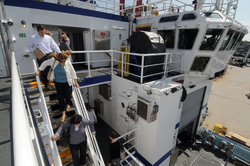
[49,122]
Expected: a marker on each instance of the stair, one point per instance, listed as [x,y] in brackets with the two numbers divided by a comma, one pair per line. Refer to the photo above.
[55,115]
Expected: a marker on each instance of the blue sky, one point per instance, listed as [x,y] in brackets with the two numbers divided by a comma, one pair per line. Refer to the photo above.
[243,15]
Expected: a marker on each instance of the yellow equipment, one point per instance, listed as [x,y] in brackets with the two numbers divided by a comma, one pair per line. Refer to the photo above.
[217,128]
[126,65]
[120,58]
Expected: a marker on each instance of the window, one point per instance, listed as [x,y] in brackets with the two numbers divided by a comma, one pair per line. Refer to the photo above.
[168,37]
[213,15]
[211,39]
[187,38]
[226,39]
[189,17]
[200,63]
[238,41]
[169,19]
[233,40]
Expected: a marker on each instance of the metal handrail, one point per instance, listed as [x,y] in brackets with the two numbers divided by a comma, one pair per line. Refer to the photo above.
[113,7]
[127,150]
[94,148]
[30,117]
[47,122]
[22,144]
[142,66]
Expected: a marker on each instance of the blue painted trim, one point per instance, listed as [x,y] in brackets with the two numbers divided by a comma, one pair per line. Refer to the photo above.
[65,9]
[163,158]
[26,90]
[177,125]
[95,80]
[145,162]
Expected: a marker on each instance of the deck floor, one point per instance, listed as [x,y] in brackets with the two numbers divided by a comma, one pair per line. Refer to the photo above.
[6,144]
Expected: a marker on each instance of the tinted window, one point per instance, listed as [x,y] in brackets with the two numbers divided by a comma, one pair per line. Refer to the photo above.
[238,41]
[211,39]
[187,38]
[233,40]
[189,17]
[169,19]
[213,15]
[226,39]
[168,37]
[200,63]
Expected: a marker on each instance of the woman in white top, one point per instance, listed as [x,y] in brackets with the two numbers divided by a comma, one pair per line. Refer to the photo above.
[64,77]
[91,112]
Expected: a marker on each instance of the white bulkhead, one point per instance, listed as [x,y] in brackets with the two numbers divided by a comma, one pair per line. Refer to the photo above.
[76,25]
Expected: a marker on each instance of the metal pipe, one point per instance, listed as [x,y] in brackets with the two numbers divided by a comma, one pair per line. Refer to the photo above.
[88,65]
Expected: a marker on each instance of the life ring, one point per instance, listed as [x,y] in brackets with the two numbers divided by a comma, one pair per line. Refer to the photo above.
[171,9]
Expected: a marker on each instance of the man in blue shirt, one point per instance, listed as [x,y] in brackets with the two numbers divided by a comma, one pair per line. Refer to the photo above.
[47,45]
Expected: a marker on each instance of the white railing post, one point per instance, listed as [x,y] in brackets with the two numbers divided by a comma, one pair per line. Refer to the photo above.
[142,68]
[166,64]
[88,65]
[112,60]
[122,65]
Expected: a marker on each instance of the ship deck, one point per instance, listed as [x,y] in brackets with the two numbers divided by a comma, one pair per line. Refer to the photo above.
[227,105]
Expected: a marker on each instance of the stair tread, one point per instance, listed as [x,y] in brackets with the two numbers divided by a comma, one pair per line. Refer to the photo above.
[58,112]
[54,102]
[35,91]
[56,122]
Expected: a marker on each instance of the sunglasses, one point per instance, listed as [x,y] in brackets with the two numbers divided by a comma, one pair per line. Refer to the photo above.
[62,61]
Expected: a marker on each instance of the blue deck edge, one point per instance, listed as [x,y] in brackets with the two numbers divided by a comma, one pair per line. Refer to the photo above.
[65,9]
[95,80]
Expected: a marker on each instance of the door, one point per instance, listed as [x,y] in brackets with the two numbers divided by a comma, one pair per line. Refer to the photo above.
[78,45]
[191,108]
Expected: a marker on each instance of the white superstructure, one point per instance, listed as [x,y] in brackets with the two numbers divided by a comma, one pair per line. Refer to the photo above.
[150,114]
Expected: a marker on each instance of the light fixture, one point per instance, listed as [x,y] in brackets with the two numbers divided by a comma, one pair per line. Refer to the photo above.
[23,23]
[155,108]
[10,22]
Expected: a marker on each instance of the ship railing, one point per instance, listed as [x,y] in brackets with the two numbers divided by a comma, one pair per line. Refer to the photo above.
[91,140]
[173,62]
[237,151]
[148,8]
[46,120]
[91,54]
[241,153]
[26,151]
[129,145]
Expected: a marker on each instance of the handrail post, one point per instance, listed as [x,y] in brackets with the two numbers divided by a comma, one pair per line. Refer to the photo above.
[182,58]
[112,61]
[165,67]
[122,65]
[88,65]
[142,68]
